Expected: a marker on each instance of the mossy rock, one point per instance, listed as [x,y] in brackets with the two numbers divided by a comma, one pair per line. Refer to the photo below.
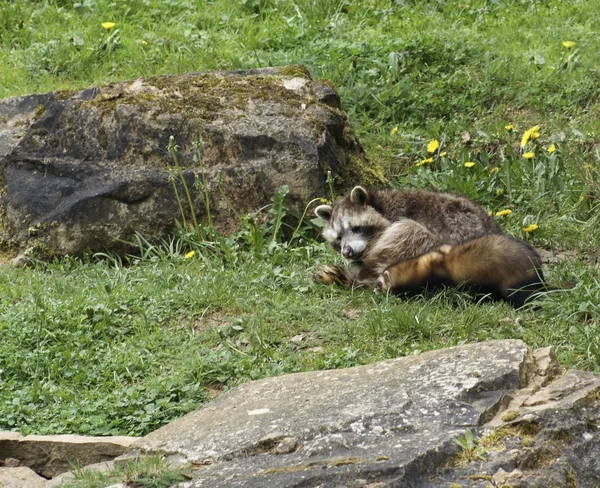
[95,163]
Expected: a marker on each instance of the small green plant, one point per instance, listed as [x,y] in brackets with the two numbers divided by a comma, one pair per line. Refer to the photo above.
[315,222]
[471,450]
[277,211]
[146,472]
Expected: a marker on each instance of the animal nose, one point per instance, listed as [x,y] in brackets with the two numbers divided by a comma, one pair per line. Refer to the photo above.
[347,252]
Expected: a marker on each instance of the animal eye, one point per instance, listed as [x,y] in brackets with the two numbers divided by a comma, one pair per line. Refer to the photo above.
[356,228]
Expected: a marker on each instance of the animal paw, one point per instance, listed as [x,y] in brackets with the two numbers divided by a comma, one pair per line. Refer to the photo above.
[329,274]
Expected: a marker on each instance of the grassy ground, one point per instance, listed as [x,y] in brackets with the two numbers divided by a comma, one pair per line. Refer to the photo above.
[104,346]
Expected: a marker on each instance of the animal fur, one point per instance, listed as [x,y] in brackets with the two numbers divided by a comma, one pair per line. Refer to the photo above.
[376,228]
[506,268]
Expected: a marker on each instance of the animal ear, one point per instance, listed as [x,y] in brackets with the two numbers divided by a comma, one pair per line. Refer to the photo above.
[323,212]
[359,195]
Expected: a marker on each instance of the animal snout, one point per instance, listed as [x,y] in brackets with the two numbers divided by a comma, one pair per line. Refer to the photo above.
[348,252]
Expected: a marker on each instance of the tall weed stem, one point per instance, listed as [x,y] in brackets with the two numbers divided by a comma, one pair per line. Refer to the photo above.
[172,148]
[199,155]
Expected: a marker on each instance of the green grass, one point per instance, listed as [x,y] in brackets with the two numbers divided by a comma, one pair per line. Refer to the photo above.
[147,472]
[100,345]
[97,347]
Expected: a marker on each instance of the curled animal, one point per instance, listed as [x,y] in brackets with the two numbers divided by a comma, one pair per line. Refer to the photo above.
[373,229]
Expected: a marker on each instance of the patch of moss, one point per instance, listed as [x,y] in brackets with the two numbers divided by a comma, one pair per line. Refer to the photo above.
[294,71]
[302,467]
[571,481]
[39,110]
[509,416]
[61,95]
[480,477]
[345,462]
[492,441]
[327,82]
[525,432]
[356,168]
[287,469]
[197,96]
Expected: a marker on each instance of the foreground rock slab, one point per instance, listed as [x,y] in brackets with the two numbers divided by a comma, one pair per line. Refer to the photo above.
[85,170]
[49,455]
[20,477]
[391,423]
[394,424]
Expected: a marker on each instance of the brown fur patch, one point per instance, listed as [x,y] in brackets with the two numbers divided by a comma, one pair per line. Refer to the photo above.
[508,268]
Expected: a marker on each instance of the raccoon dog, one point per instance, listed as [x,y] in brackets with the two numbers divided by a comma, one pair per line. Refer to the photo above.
[374,229]
[506,268]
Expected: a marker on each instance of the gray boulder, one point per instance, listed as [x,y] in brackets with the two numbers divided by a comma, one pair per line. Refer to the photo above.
[84,170]
[394,424]
[50,455]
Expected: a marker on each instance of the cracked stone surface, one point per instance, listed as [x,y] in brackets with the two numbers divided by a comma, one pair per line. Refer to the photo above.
[394,424]
[84,170]
[393,420]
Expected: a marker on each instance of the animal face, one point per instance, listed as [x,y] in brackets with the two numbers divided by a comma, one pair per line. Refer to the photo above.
[351,224]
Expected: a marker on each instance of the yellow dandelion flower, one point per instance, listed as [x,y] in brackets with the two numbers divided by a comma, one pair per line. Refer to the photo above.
[493,170]
[509,128]
[189,255]
[108,25]
[502,213]
[323,200]
[424,161]
[568,44]
[443,153]
[394,130]
[530,228]
[489,213]
[530,134]
[469,164]
[551,148]
[528,155]
[144,42]
[587,166]
[432,146]
[499,191]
